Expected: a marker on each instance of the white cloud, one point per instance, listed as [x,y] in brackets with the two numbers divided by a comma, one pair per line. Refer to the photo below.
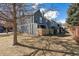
[42,10]
[35,5]
[51,14]
[61,21]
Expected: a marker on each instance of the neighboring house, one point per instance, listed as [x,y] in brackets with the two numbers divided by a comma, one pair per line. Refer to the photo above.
[6,25]
[35,23]
[1,26]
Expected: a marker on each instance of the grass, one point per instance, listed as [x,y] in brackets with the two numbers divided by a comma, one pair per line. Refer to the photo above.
[59,45]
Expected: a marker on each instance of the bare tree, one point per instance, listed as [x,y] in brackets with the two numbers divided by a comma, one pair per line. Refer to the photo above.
[15,24]
[11,12]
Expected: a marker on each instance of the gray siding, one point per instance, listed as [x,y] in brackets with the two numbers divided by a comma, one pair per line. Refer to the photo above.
[39,19]
[30,28]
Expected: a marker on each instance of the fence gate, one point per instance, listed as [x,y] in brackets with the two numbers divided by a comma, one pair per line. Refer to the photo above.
[32,28]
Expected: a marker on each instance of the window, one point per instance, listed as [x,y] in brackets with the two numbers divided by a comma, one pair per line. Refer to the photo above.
[41,26]
[28,17]
[40,19]
[23,28]
[52,27]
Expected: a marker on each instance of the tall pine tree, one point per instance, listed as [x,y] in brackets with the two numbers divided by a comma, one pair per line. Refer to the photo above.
[73,14]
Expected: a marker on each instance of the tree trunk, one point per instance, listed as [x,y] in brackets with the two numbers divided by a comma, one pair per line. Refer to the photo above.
[6,30]
[15,24]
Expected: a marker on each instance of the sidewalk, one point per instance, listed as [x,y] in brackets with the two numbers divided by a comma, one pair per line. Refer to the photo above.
[6,34]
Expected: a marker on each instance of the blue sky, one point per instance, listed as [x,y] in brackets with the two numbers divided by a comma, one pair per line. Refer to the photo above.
[60,7]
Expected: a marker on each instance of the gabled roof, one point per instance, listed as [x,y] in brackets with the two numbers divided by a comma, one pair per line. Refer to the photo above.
[31,12]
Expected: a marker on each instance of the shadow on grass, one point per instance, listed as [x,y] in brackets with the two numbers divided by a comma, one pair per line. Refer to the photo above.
[42,49]
[63,35]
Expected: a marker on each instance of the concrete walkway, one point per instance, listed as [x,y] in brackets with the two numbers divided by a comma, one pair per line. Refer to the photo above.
[6,34]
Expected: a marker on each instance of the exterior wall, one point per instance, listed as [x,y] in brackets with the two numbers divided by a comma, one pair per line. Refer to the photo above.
[53,27]
[26,25]
[41,32]
[37,18]
[29,19]
[54,24]
[52,31]
[25,20]
[29,28]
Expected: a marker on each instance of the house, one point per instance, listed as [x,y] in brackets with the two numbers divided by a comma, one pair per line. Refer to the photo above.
[6,25]
[1,26]
[34,23]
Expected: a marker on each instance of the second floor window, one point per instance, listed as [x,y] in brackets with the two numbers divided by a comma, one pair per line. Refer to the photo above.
[40,19]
